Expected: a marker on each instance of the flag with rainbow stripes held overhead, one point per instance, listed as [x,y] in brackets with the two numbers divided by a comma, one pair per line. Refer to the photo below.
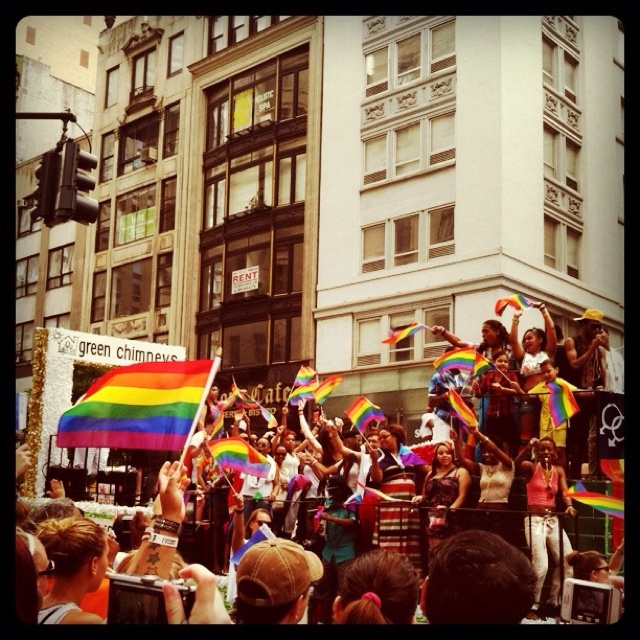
[463,359]
[326,388]
[361,412]
[147,405]
[395,335]
[517,301]
[466,414]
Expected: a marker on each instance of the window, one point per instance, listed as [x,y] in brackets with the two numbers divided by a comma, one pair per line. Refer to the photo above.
[441,236]
[131,289]
[60,270]
[550,152]
[168,206]
[144,73]
[217,33]
[288,266]
[571,177]
[294,85]
[171,130]
[62,321]
[218,119]
[407,149]
[111,94]
[208,343]
[163,284]
[287,339]
[443,46]
[27,276]
[106,157]
[251,181]
[422,345]
[176,53]
[377,70]
[99,297]
[245,345]
[253,98]
[248,266]
[211,278]
[373,248]
[138,144]
[238,29]
[562,247]
[215,197]
[260,23]
[292,167]
[227,30]
[136,215]
[24,342]
[103,226]
[84,58]
[409,153]
[406,240]
[404,234]
[408,59]
[559,69]
[25,224]
[561,156]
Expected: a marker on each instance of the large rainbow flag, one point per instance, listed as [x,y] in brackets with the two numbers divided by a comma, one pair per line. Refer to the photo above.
[235,453]
[600,501]
[562,403]
[395,335]
[361,412]
[147,405]
[517,301]
[463,359]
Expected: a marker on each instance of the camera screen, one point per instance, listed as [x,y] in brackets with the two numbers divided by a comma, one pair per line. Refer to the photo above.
[135,606]
[590,604]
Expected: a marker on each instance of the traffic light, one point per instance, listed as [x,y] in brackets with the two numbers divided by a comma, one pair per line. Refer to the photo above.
[48,176]
[73,205]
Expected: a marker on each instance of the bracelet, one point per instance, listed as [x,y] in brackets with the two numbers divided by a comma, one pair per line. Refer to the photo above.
[239,510]
[171,526]
[148,532]
[515,321]
[164,541]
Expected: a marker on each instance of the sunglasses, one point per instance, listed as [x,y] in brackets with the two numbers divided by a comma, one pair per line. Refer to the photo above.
[605,568]
[51,565]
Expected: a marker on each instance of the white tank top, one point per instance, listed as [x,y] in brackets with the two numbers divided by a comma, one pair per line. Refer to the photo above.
[55,613]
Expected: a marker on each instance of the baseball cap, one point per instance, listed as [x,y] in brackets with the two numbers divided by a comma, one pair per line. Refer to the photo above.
[276,571]
[591,314]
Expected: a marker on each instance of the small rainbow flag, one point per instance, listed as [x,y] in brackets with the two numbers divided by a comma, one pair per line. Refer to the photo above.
[482,365]
[362,412]
[303,392]
[562,403]
[304,377]
[272,423]
[463,359]
[235,453]
[326,387]
[461,409]
[395,335]
[599,501]
[517,301]
[147,405]
[242,397]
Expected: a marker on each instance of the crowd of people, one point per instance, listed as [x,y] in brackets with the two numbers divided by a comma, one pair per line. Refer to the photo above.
[362,529]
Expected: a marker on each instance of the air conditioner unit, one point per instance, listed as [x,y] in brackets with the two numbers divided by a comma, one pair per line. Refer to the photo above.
[149,155]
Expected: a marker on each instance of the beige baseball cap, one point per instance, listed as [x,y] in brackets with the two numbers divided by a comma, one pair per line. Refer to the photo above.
[276,571]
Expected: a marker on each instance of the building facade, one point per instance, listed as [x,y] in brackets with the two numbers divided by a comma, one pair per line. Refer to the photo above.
[291,188]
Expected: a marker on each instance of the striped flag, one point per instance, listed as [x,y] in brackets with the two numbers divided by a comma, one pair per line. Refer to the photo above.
[482,365]
[462,409]
[562,403]
[304,377]
[395,335]
[235,453]
[147,405]
[463,359]
[362,412]
[303,392]
[517,301]
[325,388]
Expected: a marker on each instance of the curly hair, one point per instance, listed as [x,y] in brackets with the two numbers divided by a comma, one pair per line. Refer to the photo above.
[71,542]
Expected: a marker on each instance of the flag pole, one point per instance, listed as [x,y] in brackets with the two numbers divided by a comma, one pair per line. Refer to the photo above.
[205,392]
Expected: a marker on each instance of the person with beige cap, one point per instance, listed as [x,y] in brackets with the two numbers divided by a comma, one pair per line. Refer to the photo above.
[273,579]
[586,358]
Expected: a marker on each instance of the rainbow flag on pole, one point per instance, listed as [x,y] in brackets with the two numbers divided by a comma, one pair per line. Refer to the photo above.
[235,453]
[325,388]
[463,359]
[395,335]
[303,392]
[147,405]
[482,365]
[362,412]
[562,403]
[600,501]
[304,377]
[517,301]
[462,409]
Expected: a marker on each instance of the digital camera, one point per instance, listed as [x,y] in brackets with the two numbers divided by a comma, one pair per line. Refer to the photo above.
[585,602]
[139,599]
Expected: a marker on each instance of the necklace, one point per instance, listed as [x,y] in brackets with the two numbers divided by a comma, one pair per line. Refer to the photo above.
[490,470]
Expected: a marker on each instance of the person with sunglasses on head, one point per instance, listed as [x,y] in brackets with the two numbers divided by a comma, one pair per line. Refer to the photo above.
[545,482]
[588,360]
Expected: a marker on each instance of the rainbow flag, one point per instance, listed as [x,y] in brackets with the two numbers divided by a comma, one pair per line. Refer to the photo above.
[325,388]
[304,377]
[517,301]
[272,423]
[461,409]
[147,405]
[613,469]
[303,392]
[395,335]
[218,424]
[599,501]
[463,359]
[362,412]
[235,453]
[242,397]
[562,403]
[482,365]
